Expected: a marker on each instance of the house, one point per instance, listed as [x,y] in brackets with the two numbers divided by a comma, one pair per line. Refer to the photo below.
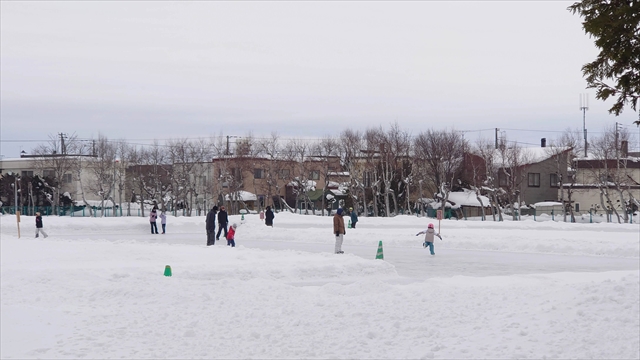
[274,181]
[527,174]
[48,168]
[602,185]
[536,174]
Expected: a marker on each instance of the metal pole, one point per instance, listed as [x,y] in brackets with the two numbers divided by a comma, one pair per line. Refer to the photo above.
[15,194]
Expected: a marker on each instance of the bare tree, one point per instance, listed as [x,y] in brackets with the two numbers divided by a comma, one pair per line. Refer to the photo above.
[155,174]
[512,163]
[57,158]
[442,154]
[490,184]
[297,152]
[325,151]
[270,149]
[350,144]
[372,170]
[102,170]
[609,172]
[570,143]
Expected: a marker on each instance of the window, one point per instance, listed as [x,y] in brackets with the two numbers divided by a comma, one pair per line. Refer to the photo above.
[67,178]
[534,179]
[27,174]
[577,207]
[315,175]
[553,180]
[284,174]
[237,174]
[49,174]
[605,178]
[258,173]
[367,178]
[503,174]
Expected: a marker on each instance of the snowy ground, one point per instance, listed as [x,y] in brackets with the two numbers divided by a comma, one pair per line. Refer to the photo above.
[95,289]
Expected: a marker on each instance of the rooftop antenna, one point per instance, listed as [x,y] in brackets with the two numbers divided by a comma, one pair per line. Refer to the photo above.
[584,106]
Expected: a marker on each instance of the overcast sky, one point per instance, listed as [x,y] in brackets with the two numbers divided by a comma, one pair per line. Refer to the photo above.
[160,70]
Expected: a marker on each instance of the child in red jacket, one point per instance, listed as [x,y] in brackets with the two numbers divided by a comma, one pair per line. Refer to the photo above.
[231,235]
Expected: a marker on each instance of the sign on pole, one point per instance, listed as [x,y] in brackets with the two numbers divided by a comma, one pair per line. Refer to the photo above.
[439,216]
[18,222]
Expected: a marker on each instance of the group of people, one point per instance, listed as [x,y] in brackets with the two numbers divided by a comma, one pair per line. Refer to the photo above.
[338,226]
[223,222]
[339,230]
[153,216]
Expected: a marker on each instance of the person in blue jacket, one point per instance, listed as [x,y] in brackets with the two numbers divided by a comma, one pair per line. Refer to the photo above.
[354,218]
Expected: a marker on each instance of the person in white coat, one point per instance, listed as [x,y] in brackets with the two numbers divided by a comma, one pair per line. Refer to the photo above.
[430,235]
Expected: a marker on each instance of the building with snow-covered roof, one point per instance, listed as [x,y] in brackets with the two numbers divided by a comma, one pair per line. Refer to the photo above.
[526,174]
[603,185]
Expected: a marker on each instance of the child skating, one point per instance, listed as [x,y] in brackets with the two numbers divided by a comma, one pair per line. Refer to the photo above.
[429,237]
[39,227]
[163,221]
[231,236]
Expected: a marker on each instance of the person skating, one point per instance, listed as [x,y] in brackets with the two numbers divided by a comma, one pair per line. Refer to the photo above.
[211,226]
[223,220]
[354,218]
[339,230]
[39,226]
[429,237]
[153,215]
[268,217]
[163,221]
[231,236]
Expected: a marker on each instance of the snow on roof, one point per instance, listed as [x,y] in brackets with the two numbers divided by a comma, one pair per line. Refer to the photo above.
[241,195]
[529,155]
[467,197]
[546,203]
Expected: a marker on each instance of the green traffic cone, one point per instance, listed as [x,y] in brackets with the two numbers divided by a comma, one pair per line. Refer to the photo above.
[380,255]
[167,270]
[242,217]
[349,225]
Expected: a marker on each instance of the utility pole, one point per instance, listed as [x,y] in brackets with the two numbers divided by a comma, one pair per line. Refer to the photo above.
[616,144]
[497,137]
[228,137]
[584,106]
[15,194]
[63,148]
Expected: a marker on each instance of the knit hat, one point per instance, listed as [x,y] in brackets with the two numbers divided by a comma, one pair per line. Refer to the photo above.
[340,211]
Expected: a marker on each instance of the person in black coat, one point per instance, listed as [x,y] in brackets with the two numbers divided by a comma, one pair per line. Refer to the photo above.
[268,217]
[211,226]
[39,227]
[223,220]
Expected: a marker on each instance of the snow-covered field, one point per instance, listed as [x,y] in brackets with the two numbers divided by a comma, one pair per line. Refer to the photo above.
[95,289]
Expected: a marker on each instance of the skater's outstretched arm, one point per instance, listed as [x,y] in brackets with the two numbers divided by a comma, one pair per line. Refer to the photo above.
[421,232]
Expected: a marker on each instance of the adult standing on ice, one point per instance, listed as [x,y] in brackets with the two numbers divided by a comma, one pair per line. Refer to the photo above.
[153,216]
[39,228]
[223,220]
[211,226]
[339,230]
[268,217]
[429,237]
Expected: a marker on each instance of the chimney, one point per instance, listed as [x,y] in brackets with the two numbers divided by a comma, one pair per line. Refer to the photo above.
[624,148]
[543,142]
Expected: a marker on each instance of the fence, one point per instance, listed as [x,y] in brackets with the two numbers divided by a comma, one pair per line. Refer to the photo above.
[96,212]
